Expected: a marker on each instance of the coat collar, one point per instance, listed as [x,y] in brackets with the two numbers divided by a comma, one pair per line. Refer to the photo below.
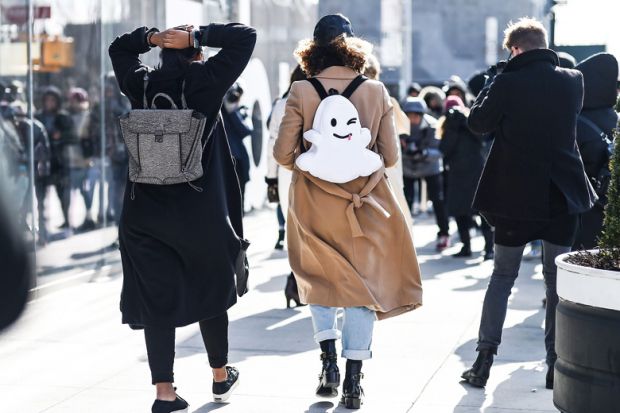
[531,56]
[337,72]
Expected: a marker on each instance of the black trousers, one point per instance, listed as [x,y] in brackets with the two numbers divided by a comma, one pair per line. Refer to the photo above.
[435,191]
[160,347]
[464,224]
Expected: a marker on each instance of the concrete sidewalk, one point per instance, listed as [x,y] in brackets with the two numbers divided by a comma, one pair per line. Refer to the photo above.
[69,353]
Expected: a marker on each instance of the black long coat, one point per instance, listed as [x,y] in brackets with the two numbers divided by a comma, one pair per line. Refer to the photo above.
[178,246]
[463,160]
[532,109]
[600,74]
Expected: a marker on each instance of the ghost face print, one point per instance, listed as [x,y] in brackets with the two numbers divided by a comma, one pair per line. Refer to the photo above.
[338,153]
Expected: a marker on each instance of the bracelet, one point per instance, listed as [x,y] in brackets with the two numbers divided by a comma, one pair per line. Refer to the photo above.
[195,42]
[148,39]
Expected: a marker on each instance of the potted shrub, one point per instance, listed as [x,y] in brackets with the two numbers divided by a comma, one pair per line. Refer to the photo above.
[587,373]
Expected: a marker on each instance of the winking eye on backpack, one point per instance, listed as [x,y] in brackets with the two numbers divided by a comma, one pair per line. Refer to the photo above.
[164,144]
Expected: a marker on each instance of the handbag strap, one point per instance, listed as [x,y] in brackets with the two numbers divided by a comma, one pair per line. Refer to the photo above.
[593,126]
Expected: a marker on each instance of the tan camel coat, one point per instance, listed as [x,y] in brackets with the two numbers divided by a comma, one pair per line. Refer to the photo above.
[348,244]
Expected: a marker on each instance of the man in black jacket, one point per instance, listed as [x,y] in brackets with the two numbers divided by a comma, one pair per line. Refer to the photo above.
[533,185]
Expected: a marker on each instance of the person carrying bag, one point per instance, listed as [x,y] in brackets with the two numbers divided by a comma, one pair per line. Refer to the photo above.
[181,232]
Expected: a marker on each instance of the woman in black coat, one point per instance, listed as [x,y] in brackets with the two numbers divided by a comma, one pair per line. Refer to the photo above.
[464,161]
[179,246]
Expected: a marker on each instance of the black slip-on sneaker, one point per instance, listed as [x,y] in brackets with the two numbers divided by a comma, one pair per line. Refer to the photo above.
[177,406]
[223,389]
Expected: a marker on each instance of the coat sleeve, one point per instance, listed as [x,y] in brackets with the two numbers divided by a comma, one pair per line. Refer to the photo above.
[274,126]
[486,113]
[236,42]
[290,131]
[386,142]
[125,54]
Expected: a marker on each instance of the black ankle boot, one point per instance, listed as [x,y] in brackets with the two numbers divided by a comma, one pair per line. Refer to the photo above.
[478,375]
[550,377]
[280,243]
[291,292]
[464,252]
[352,392]
[329,379]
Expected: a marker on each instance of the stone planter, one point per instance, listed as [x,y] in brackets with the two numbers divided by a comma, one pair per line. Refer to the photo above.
[587,372]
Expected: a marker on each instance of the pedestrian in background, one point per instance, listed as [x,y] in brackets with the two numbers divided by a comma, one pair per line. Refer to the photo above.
[433,98]
[179,246]
[462,151]
[61,133]
[533,185]
[235,116]
[115,156]
[344,251]
[422,159]
[279,179]
[413,91]
[401,122]
[455,86]
[24,126]
[81,152]
[595,132]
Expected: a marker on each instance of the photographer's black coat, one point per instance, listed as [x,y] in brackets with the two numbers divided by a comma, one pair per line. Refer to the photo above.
[532,109]
[463,160]
[179,246]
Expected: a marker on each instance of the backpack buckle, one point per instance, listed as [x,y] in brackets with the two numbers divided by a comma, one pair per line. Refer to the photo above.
[159,135]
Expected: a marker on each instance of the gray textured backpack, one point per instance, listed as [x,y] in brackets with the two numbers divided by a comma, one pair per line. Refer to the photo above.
[164,145]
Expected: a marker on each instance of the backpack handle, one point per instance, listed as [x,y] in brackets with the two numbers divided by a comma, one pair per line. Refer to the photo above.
[163,95]
[145,102]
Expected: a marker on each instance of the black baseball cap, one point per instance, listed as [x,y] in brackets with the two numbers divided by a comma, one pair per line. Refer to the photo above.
[330,27]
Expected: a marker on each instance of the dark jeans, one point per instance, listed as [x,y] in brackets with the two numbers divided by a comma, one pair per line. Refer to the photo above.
[160,347]
[60,180]
[435,191]
[117,179]
[506,269]
[281,219]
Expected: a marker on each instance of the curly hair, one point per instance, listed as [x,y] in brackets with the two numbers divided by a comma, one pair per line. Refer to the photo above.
[351,52]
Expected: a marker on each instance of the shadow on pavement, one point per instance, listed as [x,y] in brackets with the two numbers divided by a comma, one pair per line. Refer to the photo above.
[266,333]
[210,407]
[320,407]
[275,283]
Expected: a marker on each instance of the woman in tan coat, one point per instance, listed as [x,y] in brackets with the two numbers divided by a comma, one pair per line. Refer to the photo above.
[349,245]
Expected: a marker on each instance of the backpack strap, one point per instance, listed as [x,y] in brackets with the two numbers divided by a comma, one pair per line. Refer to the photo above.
[183,101]
[355,83]
[592,126]
[318,87]
[145,102]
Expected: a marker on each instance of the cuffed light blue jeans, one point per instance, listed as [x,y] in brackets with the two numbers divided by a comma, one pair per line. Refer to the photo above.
[357,327]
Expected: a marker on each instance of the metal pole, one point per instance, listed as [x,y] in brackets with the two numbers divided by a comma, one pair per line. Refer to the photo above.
[552,30]
[31,138]
[102,103]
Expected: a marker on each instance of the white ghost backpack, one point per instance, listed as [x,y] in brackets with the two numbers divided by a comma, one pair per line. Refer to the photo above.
[339,152]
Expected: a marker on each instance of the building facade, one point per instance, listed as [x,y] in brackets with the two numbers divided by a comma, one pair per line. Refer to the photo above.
[460,37]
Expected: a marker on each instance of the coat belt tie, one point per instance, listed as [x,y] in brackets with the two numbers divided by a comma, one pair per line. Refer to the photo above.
[357,200]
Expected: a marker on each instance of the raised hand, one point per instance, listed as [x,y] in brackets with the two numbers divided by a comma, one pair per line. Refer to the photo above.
[172,39]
